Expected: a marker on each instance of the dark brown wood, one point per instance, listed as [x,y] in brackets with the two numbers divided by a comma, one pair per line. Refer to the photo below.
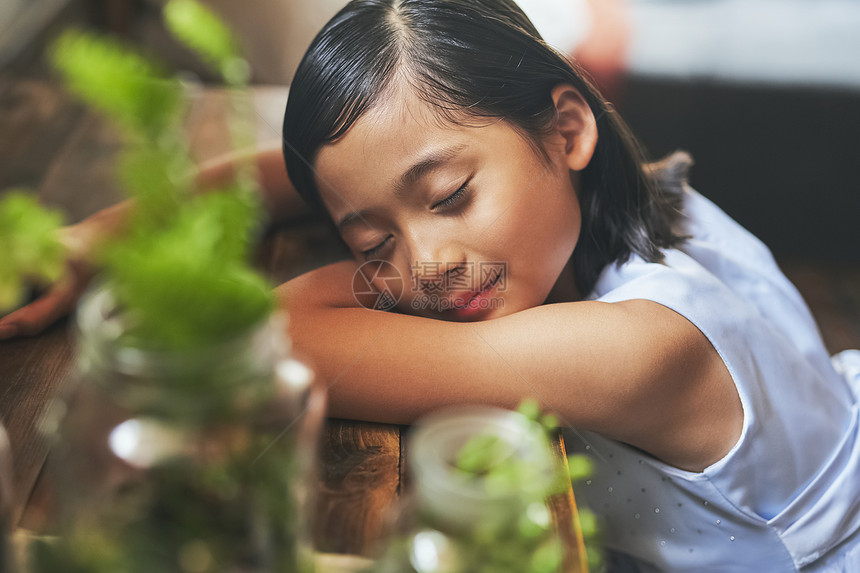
[31,372]
[359,485]
[832,291]
[81,178]
[117,15]
[35,122]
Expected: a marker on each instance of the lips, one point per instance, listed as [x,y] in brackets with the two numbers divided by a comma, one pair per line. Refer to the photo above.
[467,302]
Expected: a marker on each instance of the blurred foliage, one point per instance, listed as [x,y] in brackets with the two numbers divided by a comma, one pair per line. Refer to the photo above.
[183,289]
[31,251]
[180,270]
[225,512]
[528,544]
[490,458]
[201,30]
[515,531]
[130,89]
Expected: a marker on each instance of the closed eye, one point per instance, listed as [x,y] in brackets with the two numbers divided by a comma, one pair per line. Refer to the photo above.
[449,201]
[452,199]
[369,253]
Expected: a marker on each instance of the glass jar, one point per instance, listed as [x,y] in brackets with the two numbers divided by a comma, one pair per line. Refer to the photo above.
[190,461]
[489,517]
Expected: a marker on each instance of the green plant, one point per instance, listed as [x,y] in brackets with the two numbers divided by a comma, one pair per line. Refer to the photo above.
[28,241]
[179,273]
[527,544]
[489,459]
[177,341]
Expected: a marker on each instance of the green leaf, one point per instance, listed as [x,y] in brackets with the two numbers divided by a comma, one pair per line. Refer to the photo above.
[588,523]
[145,173]
[481,454]
[547,558]
[12,291]
[529,408]
[128,88]
[549,421]
[200,29]
[180,271]
[579,467]
[30,246]
[188,284]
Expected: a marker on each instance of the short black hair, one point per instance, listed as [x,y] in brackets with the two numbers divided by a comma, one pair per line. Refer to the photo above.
[476,59]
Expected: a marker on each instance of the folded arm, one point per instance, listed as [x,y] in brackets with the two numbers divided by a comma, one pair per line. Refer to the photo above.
[634,371]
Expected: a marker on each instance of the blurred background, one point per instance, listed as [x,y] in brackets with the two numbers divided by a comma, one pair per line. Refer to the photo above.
[765,94]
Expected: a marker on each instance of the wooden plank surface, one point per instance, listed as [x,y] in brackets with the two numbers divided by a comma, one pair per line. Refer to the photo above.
[35,122]
[566,518]
[31,373]
[360,483]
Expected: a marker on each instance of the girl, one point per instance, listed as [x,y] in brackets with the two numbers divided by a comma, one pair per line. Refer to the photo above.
[509,242]
[459,157]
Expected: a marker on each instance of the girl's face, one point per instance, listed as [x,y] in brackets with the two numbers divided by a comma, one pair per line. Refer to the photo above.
[473,221]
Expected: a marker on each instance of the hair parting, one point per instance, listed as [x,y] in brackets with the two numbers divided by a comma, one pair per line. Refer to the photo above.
[473,61]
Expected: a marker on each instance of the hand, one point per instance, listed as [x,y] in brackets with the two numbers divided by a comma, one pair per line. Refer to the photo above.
[80,242]
[55,303]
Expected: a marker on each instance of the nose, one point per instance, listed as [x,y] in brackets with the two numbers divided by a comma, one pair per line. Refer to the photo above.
[433,258]
[435,277]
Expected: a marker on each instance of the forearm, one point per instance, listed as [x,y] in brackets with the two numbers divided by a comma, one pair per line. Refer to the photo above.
[371,372]
[389,367]
[280,199]
[635,371]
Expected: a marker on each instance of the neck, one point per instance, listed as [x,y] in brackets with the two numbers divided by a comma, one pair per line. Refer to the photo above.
[564,289]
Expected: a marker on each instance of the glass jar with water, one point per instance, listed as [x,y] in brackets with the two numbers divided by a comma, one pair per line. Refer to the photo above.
[192,461]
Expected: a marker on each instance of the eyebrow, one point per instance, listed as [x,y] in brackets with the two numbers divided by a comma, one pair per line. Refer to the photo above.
[433,160]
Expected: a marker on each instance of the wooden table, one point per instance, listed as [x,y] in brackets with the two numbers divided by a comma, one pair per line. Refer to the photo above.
[64,153]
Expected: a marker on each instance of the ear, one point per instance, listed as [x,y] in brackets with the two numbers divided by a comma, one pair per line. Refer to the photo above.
[576,124]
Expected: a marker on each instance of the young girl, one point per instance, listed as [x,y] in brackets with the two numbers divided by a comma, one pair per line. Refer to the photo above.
[509,242]
[460,157]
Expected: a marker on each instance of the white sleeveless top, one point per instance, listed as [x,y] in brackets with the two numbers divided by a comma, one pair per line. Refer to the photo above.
[787,496]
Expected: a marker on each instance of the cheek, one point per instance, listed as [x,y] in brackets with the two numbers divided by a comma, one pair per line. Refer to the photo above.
[567,224]
[544,224]
[536,237]
[559,211]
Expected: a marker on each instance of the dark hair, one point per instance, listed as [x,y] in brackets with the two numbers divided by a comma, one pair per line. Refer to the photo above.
[475,59]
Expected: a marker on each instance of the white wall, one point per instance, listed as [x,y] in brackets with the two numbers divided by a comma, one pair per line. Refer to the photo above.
[276,33]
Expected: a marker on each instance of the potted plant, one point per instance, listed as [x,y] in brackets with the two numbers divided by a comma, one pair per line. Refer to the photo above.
[185,441]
